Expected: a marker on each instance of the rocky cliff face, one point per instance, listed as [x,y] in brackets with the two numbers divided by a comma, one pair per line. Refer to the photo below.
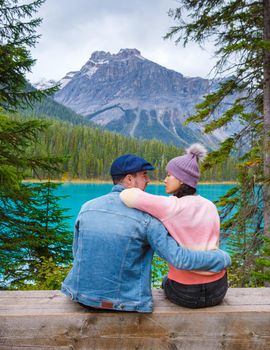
[129,94]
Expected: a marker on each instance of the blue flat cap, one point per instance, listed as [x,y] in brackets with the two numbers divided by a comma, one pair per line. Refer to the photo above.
[128,164]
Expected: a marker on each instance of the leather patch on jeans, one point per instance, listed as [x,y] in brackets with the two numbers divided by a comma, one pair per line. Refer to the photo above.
[107,304]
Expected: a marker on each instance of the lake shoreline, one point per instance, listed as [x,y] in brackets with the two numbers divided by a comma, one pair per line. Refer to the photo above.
[95,181]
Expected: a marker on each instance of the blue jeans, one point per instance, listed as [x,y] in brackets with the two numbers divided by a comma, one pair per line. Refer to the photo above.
[195,295]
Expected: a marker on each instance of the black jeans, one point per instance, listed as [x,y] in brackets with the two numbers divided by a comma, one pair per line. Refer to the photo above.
[195,295]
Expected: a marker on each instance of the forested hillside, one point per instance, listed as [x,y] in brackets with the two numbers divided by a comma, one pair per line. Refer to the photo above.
[90,151]
[52,109]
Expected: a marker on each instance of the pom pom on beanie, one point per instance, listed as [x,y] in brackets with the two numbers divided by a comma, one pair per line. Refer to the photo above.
[198,150]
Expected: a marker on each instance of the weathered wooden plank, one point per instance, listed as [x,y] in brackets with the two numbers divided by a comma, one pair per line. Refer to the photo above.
[238,293]
[49,320]
[130,331]
[156,292]
[54,300]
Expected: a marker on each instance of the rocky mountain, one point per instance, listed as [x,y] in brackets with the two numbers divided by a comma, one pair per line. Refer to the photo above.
[132,95]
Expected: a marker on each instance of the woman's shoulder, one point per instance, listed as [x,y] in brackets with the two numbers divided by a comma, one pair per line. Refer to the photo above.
[197,198]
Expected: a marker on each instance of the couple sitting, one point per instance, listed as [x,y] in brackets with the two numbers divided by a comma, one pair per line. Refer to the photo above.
[114,242]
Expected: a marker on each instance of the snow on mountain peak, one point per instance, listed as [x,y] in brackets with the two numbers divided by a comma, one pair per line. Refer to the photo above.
[64,81]
[44,83]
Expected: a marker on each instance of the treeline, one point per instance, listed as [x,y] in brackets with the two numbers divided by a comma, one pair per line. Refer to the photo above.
[89,152]
[226,171]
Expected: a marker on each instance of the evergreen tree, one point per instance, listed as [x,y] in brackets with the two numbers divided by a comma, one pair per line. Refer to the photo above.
[17,35]
[38,243]
[30,243]
[262,271]
[242,226]
[240,30]
[27,233]
[15,160]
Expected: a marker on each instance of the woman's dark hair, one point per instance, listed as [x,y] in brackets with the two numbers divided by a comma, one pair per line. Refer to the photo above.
[185,190]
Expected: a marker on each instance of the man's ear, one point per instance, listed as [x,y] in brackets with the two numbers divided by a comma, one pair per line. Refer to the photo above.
[129,179]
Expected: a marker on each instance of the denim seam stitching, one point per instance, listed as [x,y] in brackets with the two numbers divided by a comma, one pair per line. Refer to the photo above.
[121,270]
[79,264]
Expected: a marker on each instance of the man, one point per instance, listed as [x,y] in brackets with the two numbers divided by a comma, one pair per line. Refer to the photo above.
[113,247]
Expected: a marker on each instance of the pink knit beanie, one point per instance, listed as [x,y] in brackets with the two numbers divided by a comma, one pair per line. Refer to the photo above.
[186,168]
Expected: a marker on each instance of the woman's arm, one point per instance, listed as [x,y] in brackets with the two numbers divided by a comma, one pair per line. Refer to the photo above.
[167,248]
[158,206]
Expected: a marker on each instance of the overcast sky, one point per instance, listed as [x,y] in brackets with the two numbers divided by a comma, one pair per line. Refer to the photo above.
[73,29]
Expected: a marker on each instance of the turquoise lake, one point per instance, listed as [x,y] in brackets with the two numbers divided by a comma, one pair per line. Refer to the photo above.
[77,194]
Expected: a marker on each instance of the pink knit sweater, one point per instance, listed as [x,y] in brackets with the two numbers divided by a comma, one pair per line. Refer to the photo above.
[193,221]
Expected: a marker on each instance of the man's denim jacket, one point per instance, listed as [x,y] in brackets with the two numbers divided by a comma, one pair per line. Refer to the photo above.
[113,249]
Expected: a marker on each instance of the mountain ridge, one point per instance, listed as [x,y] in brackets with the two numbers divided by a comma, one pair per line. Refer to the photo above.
[131,95]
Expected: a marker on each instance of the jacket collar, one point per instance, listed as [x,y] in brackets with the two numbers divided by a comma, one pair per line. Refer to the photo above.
[118,188]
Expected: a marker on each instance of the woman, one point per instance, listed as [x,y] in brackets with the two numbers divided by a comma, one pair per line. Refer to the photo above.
[193,221]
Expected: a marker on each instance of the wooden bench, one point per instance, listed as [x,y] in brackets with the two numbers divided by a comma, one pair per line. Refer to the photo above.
[49,320]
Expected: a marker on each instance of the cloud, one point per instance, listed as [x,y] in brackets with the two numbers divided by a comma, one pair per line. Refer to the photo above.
[72,30]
